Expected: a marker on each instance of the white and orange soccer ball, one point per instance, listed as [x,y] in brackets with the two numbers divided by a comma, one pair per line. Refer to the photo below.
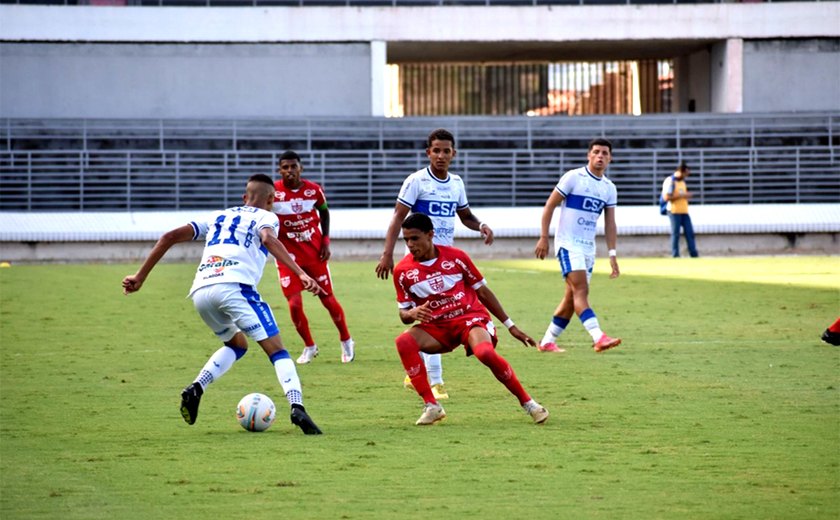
[255,412]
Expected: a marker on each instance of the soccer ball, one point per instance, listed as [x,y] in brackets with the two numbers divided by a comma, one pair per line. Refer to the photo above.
[255,412]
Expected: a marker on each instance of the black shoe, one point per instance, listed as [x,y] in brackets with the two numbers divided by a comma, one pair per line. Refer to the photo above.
[832,338]
[190,397]
[302,420]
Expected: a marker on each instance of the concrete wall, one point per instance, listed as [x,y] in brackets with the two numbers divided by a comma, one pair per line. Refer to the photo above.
[226,62]
[726,76]
[692,82]
[108,80]
[781,75]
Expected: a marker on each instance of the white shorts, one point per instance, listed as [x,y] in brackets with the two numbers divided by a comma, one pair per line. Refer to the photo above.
[228,308]
[575,261]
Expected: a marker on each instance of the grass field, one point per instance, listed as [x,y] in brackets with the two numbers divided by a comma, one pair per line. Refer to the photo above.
[721,403]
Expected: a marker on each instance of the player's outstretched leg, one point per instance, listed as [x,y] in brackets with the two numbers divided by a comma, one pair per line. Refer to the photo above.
[485,353]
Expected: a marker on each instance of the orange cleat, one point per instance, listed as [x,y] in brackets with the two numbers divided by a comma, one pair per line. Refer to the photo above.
[550,347]
[606,343]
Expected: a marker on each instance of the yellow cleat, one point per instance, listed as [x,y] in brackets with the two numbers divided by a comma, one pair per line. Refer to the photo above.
[439,391]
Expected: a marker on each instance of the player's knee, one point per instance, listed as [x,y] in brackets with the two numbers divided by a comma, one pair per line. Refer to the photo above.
[484,352]
[406,343]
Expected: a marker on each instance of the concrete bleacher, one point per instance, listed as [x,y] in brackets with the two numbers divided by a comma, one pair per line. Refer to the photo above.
[741,229]
[671,131]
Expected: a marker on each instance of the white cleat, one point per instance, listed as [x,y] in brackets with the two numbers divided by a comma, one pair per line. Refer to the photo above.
[432,413]
[309,353]
[347,352]
[537,412]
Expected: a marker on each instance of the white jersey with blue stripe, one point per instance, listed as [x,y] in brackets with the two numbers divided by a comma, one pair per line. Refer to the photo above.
[440,199]
[585,197]
[233,251]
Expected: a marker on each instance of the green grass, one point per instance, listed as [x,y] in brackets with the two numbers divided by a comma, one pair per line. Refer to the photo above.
[721,403]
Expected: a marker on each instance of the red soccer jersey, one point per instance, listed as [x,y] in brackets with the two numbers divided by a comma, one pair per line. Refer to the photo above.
[300,223]
[448,282]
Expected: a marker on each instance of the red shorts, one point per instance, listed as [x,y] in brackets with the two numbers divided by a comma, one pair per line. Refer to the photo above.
[290,283]
[455,332]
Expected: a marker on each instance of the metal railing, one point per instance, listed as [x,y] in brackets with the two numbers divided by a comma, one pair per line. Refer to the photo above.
[671,131]
[95,180]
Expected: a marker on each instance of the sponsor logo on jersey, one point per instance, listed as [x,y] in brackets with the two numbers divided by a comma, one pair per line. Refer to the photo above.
[280,195]
[217,264]
[308,193]
[441,209]
[593,205]
[447,265]
[413,275]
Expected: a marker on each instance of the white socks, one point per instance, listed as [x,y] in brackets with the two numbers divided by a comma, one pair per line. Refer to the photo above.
[434,367]
[289,380]
[219,363]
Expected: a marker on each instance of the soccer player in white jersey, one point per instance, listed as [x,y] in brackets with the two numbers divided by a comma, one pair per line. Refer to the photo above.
[440,289]
[436,192]
[582,195]
[224,292]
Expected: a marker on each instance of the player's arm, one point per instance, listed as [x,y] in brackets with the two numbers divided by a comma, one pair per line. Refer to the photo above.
[278,251]
[386,261]
[611,234]
[325,253]
[421,313]
[488,298]
[185,233]
[555,199]
[469,220]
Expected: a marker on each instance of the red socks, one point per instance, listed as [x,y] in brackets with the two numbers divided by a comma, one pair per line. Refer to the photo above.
[409,352]
[501,369]
[337,315]
[299,320]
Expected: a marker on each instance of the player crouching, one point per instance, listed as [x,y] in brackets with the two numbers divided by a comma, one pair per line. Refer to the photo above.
[440,287]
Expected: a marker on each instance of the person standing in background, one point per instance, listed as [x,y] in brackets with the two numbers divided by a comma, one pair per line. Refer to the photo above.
[675,192]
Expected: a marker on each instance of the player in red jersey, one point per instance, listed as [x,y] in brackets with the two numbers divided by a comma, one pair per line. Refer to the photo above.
[440,287]
[301,206]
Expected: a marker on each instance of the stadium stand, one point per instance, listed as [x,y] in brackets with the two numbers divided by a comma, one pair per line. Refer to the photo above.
[135,165]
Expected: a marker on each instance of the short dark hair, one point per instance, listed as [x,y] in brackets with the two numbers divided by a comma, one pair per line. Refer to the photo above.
[418,221]
[600,141]
[682,167]
[261,177]
[441,134]
[289,155]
